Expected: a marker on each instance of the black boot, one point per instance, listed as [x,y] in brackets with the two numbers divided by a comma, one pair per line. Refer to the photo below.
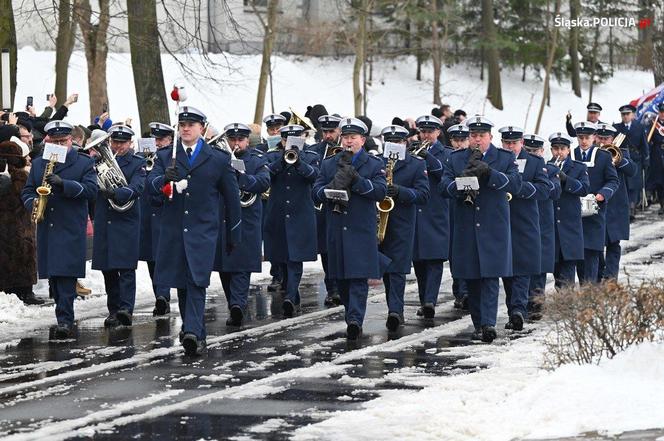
[394,320]
[275,285]
[333,298]
[192,345]
[161,306]
[476,335]
[236,316]
[124,317]
[353,331]
[62,332]
[488,334]
[111,321]
[26,295]
[517,321]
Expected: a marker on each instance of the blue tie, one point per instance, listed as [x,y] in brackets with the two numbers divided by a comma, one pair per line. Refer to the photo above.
[584,157]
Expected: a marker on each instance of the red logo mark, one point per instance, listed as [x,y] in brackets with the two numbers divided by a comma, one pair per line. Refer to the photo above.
[645,23]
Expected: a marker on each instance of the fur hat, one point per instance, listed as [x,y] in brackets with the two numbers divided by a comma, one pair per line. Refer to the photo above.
[13,154]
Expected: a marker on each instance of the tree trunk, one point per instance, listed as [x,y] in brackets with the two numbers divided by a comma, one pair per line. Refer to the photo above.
[546,96]
[574,49]
[593,61]
[360,44]
[64,44]
[146,63]
[96,50]
[494,92]
[268,43]
[8,41]
[644,54]
[658,45]
[436,57]
[611,50]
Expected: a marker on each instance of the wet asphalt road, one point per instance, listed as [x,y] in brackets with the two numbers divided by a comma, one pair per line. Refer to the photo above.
[259,382]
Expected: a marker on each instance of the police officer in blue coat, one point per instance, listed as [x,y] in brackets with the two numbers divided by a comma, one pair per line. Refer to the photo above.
[655,180]
[603,184]
[535,145]
[190,219]
[432,233]
[151,222]
[273,123]
[290,219]
[574,183]
[117,225]
[329,125]
[636,143]
[482,247]
[351,225]
[592,115]
[61,241]
[409,189]
[459,137]
[617,210]
[236,267]
[524,224]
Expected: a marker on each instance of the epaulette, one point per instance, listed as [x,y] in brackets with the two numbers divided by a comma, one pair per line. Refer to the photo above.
[376,158]
[272,150]
[311,151]
[136,155]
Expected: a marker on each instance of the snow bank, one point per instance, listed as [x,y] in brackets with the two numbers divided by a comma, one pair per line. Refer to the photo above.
[514,398]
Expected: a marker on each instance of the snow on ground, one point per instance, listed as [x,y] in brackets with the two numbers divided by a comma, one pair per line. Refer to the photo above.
[301,82]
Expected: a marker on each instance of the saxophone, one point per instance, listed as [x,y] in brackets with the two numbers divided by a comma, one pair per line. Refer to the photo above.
[43,191]
[386,205]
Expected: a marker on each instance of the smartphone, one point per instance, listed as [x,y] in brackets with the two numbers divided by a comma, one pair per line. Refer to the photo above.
[48,96]
[104,108]
[29,103]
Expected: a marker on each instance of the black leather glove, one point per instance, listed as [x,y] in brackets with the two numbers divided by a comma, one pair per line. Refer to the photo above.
[171,174]
[107,193]
[55,181]
[342,178]
[393,191]
[230,246]
[562,176]
[482,170]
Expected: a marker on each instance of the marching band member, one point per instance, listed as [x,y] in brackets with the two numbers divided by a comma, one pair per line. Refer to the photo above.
[329,125]
[603,184]
[273,123]
[535,145]
[351,229]
[574,183]
[432,234]
[409,189]
[524,225]
[61,241]
[592,115]
[115,245]
[459,139]
[190,221]
[617,209]
[636,143]
[290,222]
[656,174]
[482,249]
[235,268]
[151,207]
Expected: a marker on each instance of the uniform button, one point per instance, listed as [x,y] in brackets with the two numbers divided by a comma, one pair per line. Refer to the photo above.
[345,228]
[558,221]
[288,187]
[185,230]
[345,212]
[419,209]
[50,225]
[186,194]
[188,176]
[51,208]
[154,214]
[287,201]
[288,173]
[186,211]
[288,215]
[557,208]
[108,222]
[477,225]
[477,208]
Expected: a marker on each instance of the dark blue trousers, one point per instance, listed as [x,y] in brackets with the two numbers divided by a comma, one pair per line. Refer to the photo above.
[292,274]
[609,265]
[354,293]
[395,285]
[483,301]
[537,286]
[159,291]
[330,284]
[564,273]
[192,307]
[588,269]
[236,288]
[516,294]
[120,290]
[459,288]
[63,292]
[429,274]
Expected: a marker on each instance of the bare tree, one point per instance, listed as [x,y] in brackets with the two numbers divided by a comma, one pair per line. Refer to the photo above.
[360,54]
[573,49]
[94,31]
[658,45]
[552,46]
[64,44]
[494,92]
[146,62]
[436,56]
[268,42]
[8,41]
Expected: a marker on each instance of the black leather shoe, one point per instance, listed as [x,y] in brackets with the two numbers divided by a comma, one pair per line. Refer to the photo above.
[29,298]
[353,331]
[476,335]
[275,285]
[509,324]
[124,317]
[111,321]
[289,308]
[517,321]
[333,299]
[393,322]
[488,334]
[428,310]
[236,316]
[192,345]
[161,306]
[63,332]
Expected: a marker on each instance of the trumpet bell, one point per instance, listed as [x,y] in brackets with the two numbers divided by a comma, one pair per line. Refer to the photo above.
[290,156]
[43,191]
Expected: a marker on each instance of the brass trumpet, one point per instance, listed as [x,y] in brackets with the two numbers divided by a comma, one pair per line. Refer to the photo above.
[291,156]
[418,149]
[614,149]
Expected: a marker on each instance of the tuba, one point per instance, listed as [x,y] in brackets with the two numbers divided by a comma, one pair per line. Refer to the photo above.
[386,205]
[43,192]
[109,174]
[614,149]
[247,199]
